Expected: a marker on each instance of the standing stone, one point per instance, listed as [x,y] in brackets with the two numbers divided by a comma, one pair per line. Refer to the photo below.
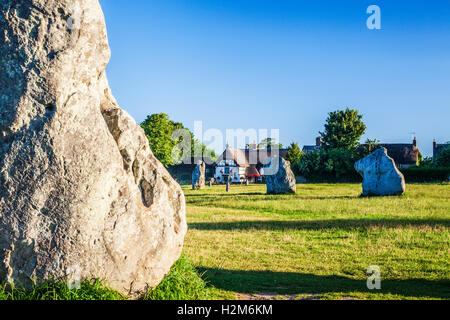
[81,193]
[198,176]
[381,176]
[279,177]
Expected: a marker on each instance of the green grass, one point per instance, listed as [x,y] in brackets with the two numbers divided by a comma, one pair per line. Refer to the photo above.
[316,244]
[182,283]
[320,242]
[58,290]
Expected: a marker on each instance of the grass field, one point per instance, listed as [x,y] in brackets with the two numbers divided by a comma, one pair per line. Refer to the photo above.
[318,243]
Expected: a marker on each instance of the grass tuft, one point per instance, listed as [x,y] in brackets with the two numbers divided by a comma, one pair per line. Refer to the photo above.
[182,283]
[58,290]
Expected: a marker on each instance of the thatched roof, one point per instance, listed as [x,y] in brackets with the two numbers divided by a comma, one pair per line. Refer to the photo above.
[402,153]
[237,155]
[248,157]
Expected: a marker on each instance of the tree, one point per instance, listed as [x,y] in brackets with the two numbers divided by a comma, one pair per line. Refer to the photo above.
[293,153]
[270,143]
[425,162]
[293,156]
[370,146]
[328,165]
[200,150]
[443,157]
[343,129]
[158,129]
[340,163]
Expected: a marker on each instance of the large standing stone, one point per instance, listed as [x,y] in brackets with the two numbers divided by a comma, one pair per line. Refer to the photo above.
[81,193]
[279,177]
[381,176]
[198,176]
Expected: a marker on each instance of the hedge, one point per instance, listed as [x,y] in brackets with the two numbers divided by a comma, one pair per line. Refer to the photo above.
[330,178]
[412,175]
[418,174]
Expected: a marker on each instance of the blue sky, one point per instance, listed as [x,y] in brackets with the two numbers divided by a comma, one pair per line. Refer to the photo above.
[284,64]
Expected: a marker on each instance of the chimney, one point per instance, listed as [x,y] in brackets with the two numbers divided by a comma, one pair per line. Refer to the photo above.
[415,142]
[434,148]
[318,141]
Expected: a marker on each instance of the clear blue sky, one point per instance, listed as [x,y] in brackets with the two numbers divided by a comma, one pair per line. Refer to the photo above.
[284,64]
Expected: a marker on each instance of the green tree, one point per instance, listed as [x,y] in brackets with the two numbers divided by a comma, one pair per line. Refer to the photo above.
[293,156]
[200,150]
[340,163]
[328,165]
[310,164]
[343,129]
[270,143]
[370,146]
[294,153]
[443,157]
[158,129]
[425,162]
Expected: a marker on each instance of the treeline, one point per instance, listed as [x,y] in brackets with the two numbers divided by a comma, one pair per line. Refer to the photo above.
[341,149]
[333,162]
[160,130]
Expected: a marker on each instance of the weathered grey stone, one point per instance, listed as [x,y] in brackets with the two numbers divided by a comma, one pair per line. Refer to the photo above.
[381,176]
[81,193]
[198,176]
[279,177]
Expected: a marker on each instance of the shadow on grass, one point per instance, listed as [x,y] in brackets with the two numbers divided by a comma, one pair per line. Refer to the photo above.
[318,224]
[263,196]
[214,195]
[256,282]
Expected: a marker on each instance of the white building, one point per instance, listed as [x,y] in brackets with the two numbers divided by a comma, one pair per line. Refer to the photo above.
[244,164]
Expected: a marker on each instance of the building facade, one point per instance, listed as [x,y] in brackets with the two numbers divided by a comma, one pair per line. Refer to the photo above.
[244,164]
